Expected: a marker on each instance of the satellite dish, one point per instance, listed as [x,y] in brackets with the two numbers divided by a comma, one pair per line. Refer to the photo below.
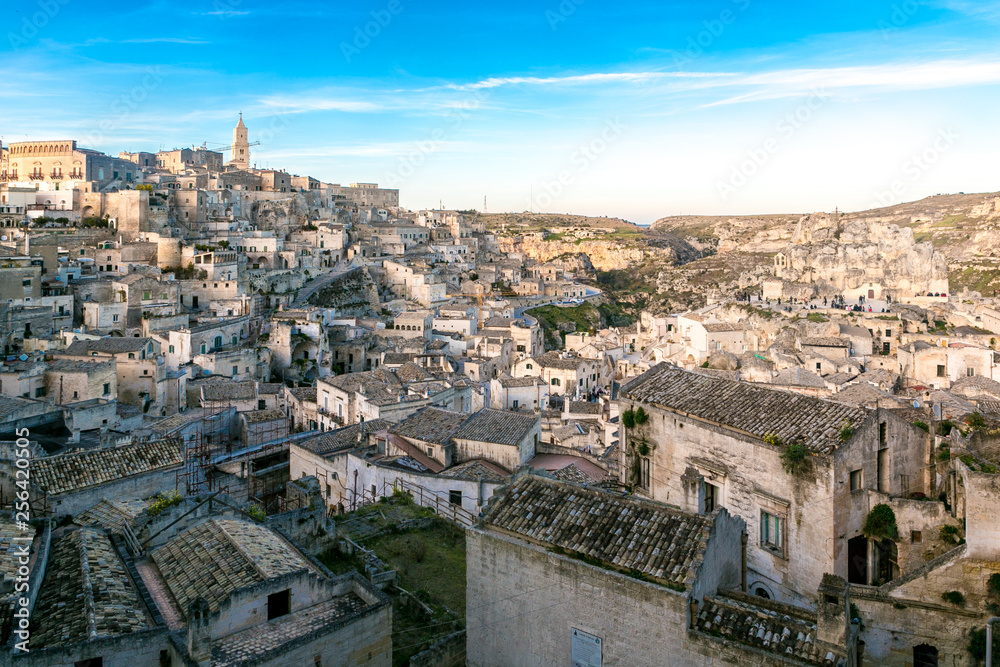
[937,411]
[916,404]
[23,357]
[3,238]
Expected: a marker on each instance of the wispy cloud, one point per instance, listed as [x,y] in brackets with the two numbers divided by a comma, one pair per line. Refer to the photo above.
[296,104]
[166,40]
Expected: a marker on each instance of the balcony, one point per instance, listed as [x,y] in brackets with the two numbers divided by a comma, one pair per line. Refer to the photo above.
[56,175]
[36,177]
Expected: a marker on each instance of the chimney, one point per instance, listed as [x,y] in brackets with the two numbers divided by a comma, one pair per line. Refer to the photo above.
[199,634]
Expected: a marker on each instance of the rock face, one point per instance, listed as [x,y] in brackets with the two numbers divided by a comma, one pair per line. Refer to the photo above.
[353,293]
[601,255]
[859,257]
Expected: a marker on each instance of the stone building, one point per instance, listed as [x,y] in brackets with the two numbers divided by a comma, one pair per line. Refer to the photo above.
[793,467]
[212,590]
[565,574]
[64,163]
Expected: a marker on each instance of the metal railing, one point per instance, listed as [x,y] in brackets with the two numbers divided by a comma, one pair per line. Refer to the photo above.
[431,499]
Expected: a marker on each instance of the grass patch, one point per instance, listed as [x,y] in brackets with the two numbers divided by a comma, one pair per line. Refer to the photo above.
[430,559]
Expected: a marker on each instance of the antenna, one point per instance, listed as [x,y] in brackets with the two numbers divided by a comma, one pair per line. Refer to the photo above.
[484,203]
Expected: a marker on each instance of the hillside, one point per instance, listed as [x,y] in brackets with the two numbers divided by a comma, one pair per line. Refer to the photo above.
[965,227]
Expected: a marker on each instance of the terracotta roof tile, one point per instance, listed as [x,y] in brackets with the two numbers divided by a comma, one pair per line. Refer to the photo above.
[627,532]
[745,406]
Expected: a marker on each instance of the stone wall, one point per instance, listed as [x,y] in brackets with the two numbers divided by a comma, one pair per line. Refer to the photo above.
[446,652]
[524,603]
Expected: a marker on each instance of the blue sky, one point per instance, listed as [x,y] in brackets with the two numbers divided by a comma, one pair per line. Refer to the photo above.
[638,110]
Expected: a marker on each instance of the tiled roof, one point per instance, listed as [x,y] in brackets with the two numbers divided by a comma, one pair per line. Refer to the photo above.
[746,407]
[477,469]
[86,593]
[556,360]
[69,472]
[431,425]
[765,629]
[410,372]
[111,514]
[261,416]
[304,394]
[343,438]
[724,326]
[826,341]
[627,532]
[585,408]
[220,556]
[977,384]
[530,381]
[77,366]
[496,426]
[109,345]
[798,377]
[8,561]
[228,390]
[9,405]
[264,642]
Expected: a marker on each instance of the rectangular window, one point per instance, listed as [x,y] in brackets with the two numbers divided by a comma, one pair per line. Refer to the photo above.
[771,532]
[857,480]
[644,465]
[107,388]
[970,372]
[171,348]
[940,371]
[711,497]
[261,404]
[236,370]
[26,282]
[39,392]
[146,296]
[515,404]
[455,497]
[279,604]
[916,537]
[114,318]
[888,333]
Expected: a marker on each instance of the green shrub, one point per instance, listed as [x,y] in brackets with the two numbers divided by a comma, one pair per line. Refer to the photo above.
[163,501]
[794,459]
[976,421]
[954,597]
[772,439]
[993,584]
[944,453]
[923,426]
[977,646]
[628,418]
[881,524]
[949,534]
[640,416]
[846,431]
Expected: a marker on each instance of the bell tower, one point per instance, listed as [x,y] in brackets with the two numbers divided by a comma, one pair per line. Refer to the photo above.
[241,146]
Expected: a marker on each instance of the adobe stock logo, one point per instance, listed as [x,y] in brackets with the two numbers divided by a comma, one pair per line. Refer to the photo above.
[363,36]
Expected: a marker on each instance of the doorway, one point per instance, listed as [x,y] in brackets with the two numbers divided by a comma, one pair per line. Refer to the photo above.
[857,560]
